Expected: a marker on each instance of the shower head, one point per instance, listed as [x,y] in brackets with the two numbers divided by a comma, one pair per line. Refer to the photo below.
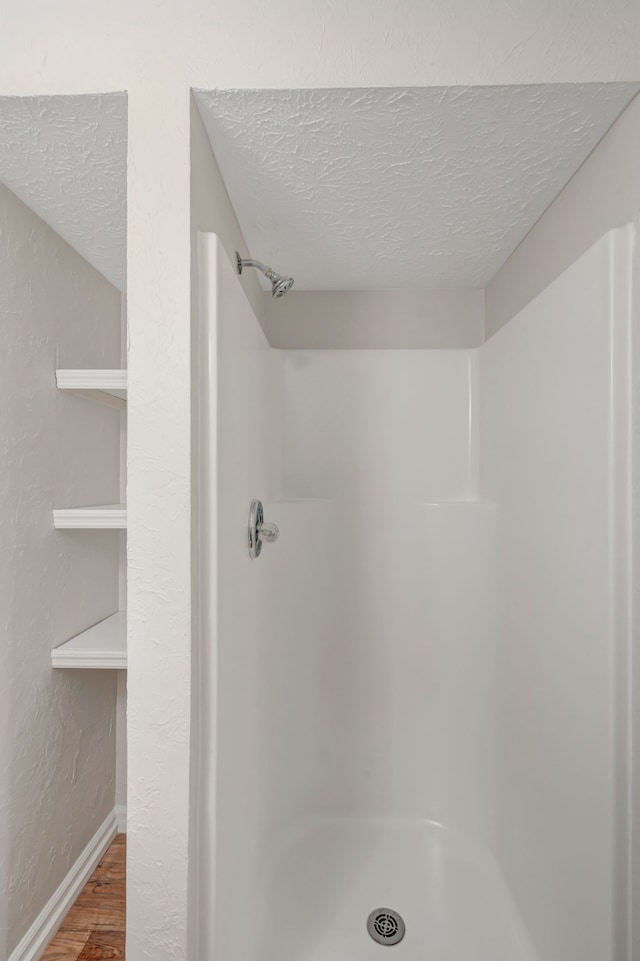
[279,283]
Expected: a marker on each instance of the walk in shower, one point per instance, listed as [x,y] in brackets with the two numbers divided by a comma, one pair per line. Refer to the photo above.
[414,703]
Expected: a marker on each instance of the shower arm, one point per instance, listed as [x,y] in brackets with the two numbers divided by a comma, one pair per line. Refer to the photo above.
[280,283]
[250,262]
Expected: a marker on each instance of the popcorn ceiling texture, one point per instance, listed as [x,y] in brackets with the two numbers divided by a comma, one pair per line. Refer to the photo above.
[400,187]
[57,735]
[66,158]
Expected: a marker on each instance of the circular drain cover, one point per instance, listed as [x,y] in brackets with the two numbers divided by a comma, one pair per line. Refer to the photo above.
[385,926]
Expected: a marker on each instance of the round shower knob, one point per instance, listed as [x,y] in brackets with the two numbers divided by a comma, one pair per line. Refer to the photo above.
[259,532]
[269,533]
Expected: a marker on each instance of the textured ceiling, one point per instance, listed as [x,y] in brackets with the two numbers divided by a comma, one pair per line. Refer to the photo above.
[66,158]
[400,187]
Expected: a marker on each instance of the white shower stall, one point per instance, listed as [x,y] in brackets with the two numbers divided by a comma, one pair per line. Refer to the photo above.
[417,698]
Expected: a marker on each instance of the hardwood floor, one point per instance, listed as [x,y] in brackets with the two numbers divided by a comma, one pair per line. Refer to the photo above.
[94,928]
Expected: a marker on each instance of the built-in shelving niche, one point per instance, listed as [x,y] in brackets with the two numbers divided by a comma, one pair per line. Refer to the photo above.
[103,646]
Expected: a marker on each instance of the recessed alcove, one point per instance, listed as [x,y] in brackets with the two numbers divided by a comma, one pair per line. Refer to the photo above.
[63,221]
[426,684]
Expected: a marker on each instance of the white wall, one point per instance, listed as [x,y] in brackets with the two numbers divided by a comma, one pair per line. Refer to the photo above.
[210,209]
[343,409]
[603,194]
[240,455]
[380,319]
[555,457]
[157,52]
[57,728]
[407,669]
[294,44]
[159,524]
[346,641]
[370,630]
[121,707]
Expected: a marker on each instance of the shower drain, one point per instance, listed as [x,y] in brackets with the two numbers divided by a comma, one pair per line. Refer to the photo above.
[385,926]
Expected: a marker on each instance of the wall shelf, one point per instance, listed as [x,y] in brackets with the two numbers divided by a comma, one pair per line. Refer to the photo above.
[102,517]
[105,386]
[103,646]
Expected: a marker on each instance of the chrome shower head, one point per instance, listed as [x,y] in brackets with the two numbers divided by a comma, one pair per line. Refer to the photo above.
[279,283]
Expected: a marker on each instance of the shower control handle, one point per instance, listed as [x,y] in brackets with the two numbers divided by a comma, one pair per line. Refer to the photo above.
[259,532]
[269,533]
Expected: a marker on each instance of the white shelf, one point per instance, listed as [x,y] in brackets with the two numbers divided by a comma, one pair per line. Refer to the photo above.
[106,386]
[102,517]
[103,646]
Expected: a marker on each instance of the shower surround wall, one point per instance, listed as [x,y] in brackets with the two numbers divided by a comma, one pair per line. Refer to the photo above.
[387,437]
[555,449]
[57,728]
[350,694]
[257,758]
[405,814]
[418,692]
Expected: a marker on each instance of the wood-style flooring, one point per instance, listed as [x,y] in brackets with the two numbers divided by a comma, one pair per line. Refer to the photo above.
[94,928]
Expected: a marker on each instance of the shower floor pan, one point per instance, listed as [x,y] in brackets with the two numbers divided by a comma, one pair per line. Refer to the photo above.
[329,876]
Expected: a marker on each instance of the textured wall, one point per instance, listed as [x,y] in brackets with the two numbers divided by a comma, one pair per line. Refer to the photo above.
[298,44]
[156,51]
[57,747]
[159,531]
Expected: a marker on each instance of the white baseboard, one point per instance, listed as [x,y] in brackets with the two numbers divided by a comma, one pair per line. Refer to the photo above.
[120,812]
[52,915]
